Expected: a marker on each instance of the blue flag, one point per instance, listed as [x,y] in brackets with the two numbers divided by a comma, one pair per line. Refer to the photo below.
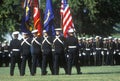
[23,27]
[48,18]
[27,9]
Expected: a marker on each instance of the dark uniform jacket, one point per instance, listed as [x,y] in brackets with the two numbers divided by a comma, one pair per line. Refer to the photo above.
[58,43]
[15,44]
[1,51]
[111,46]
[46,44]
[36,44]
[98,45]
[70,42]
[25,46]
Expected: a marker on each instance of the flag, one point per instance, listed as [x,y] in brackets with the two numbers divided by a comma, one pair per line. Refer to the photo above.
[23,27]
[27,5]
[37,19]
[48,18]
[66,17]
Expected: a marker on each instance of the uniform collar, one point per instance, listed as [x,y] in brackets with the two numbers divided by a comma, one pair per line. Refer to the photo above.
[57,36]
[45,36]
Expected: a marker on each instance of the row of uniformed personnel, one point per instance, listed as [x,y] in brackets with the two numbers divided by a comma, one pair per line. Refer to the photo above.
[67,52]
[4,54]
[99,51]
[40,49]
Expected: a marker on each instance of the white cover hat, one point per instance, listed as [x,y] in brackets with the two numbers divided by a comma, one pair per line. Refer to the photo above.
[44,31]
[71,30]
[15,32]
[34,31]
[58,29]
[110,37]
[23,33]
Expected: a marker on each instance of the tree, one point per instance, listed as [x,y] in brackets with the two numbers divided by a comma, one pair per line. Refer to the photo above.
[92,17]
[10,16]
[95,16]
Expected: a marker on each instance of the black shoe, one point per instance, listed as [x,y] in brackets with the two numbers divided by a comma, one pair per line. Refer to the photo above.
[79,73]
[21,74]
[32,74]
[11,74]
[44,73]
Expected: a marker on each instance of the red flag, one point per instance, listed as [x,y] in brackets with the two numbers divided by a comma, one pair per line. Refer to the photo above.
[37,19]
[66,17]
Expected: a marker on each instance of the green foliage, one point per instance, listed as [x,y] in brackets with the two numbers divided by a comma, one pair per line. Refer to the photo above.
[95,17]
[92,17]
[10,16]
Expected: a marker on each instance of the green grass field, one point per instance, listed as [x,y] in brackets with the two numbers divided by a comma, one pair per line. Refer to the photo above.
[97,73]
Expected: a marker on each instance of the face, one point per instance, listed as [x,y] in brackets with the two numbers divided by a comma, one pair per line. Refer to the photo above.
[116,40]
[90,40]
[97,39]
[119,41]
[105,41]
[87,41]
[25,35]
[110,40]
[57,33]
[45,34]
[79,41]
[15,36]
[34,34]
[71,34]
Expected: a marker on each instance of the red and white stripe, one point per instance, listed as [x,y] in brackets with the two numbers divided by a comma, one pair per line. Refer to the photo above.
[66,17]
[62,8]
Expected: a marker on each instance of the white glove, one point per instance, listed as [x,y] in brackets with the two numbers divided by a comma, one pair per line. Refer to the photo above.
[114,52]
[9,55]
[90,53]
[102,52]
[94,53]
[84,54]
[107,53]
[67,56]
[80,55]
[118,53]
[21,57]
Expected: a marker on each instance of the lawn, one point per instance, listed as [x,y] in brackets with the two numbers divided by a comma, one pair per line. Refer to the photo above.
[96,73]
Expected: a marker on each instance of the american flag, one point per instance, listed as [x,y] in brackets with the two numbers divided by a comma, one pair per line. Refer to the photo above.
[66,17]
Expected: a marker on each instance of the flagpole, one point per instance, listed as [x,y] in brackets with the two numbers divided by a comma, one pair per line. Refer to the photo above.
[39,3]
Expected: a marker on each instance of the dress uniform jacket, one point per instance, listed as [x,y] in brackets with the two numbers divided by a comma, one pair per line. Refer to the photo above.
[6,55]
[36,54]
[26,54]
[59,56]
[105,52]
[72,46]
[87,52]
[1,56]
[98,47]
[81,50]
[111,49]
[15,45]
[47,57]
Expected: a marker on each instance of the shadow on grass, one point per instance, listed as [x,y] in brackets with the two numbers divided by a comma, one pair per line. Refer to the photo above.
[90,73]
[102,73]
[95,73]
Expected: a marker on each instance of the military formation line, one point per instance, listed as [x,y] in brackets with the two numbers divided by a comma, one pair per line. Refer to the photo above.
[58,52]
